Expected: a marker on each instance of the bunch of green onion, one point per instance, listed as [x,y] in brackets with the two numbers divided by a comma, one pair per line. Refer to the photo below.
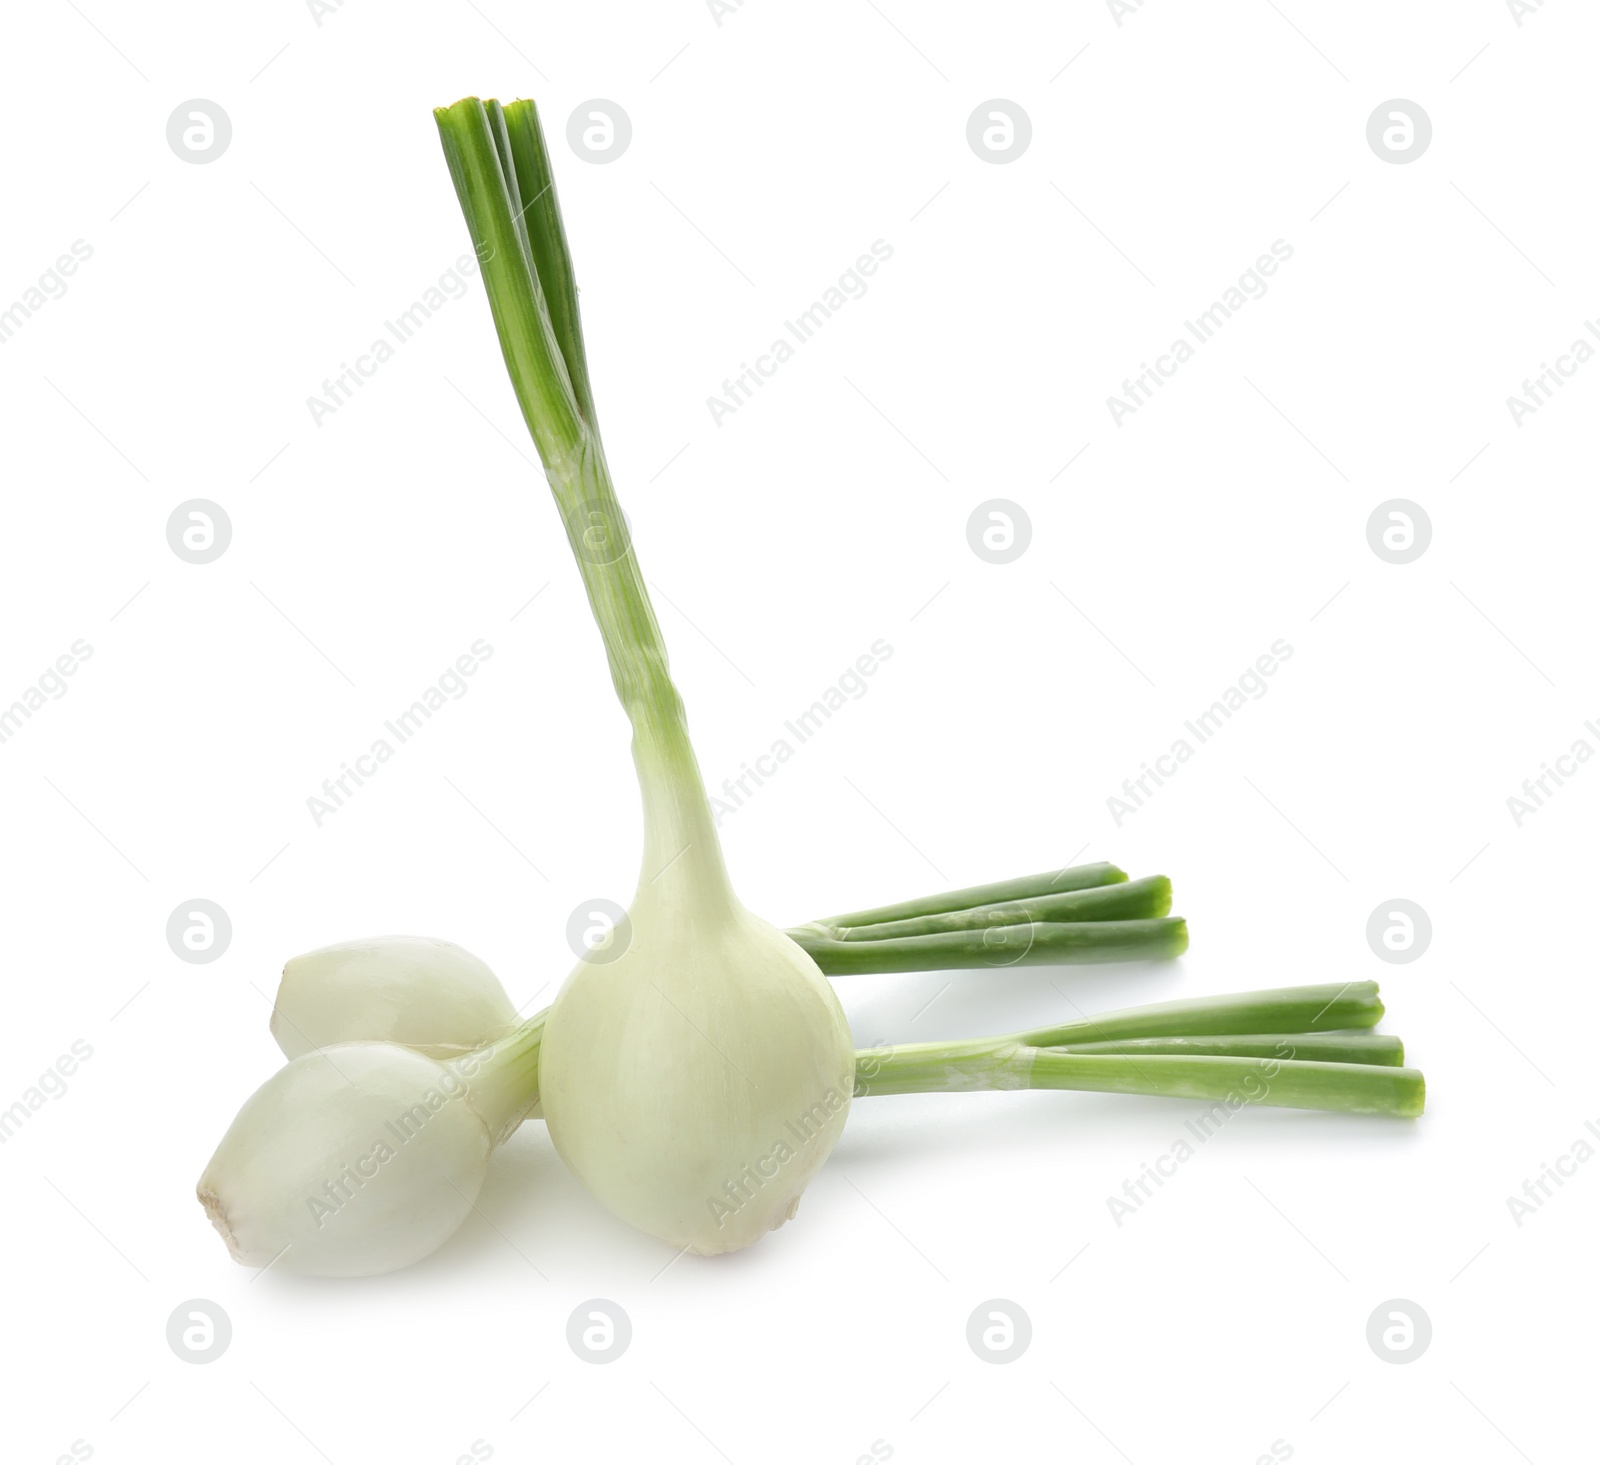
[696,1083]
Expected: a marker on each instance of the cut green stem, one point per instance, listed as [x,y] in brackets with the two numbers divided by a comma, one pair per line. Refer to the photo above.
[1323,1008]
[1052,882]
[1040,943]
[1127,900]
[549,257]
[1348,1088]
[1383,1049]
[477,148]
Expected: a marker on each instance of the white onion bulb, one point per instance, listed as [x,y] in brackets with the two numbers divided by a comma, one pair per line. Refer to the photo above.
[363,1157]
[426,994]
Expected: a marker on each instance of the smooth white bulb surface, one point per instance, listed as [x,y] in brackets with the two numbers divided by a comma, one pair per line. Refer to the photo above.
[354,1160]
[414,990]
[697,1083]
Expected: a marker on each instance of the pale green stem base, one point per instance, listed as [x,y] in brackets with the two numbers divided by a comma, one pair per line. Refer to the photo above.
[503,1079]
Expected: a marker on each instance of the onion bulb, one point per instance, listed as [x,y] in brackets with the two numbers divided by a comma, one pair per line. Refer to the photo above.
[364,1157]
[698,1081]
[426,994]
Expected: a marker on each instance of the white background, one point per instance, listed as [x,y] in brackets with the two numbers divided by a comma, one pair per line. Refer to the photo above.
[769,152]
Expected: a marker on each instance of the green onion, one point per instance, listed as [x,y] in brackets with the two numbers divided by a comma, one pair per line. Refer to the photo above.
[648,1062]
[713,1041]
